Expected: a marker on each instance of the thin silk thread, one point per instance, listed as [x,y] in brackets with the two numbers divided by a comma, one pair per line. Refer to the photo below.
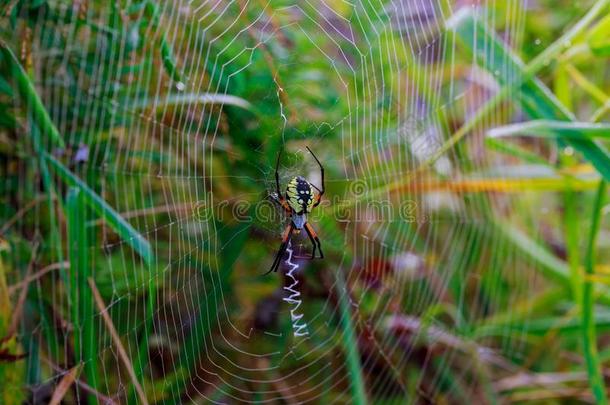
[299,327]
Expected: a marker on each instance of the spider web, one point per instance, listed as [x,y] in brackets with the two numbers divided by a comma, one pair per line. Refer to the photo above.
[186,152]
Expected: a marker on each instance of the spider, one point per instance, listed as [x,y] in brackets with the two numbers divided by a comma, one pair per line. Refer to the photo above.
[299,201]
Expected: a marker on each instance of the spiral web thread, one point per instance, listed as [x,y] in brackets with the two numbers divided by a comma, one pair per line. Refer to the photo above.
[293,299]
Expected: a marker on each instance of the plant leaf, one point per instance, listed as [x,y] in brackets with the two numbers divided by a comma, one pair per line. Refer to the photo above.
[30,96]
[552,129]
[64,385]
[191,98]
[536,99]
[105,211]
[599,39]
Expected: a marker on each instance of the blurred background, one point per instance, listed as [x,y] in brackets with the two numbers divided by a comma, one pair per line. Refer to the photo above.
[463,221]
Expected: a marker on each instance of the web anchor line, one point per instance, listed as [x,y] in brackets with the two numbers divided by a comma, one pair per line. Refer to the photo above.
[299,327]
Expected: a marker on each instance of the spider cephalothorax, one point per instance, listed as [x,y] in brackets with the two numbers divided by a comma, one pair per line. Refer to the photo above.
[299,200]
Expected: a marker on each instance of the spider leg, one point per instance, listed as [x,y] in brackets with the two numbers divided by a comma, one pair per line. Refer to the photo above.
[280,199]
[313,242]
[320,191]
[313,235]
[280,253]
[285,205]
[317,198]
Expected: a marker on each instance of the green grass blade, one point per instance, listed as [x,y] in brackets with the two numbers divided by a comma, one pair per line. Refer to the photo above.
[167,55]
[530,70]
[535,98]
[190,98]
[589,334]
[551,266]
[525,309]
[599,38]
[105,211]
[572,233]
[82,305]
[538,327]
[54,236]
[233,240]
[28,93]
[142,358]
[548,264]
[350,343]
[516,151]
[552,129]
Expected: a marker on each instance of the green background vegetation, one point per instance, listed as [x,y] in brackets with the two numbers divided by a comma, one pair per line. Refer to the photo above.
[137,140]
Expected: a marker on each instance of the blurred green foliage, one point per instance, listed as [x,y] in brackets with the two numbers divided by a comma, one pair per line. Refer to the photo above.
[466,250]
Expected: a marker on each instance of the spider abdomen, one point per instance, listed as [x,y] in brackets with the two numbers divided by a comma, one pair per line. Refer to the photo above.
[299,194]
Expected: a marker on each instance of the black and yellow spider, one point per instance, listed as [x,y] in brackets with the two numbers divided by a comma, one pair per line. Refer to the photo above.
[300,199]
